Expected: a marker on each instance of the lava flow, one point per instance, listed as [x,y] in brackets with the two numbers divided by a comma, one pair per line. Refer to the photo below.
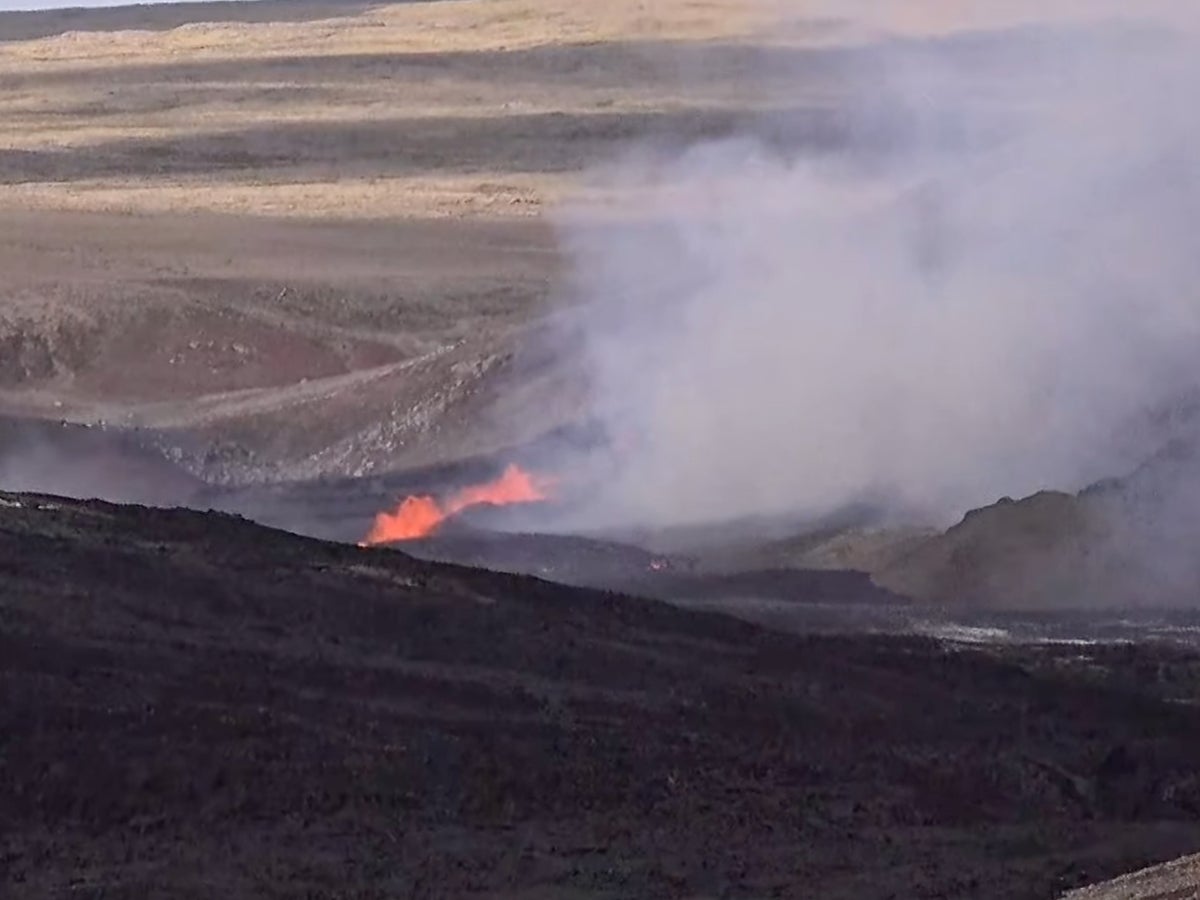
[420,516]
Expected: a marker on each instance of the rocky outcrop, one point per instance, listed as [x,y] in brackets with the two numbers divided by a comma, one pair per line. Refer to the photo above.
[1128,542]
[1175,880]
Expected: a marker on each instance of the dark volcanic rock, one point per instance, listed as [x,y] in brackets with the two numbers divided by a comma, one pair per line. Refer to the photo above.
[195,706]
[610,565]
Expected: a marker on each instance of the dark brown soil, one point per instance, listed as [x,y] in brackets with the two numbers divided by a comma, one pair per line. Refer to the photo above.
[195,706]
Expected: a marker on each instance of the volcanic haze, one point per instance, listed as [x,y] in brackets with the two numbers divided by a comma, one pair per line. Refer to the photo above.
[970,275]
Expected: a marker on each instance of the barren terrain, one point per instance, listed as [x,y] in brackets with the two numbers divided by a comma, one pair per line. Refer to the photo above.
[296,259]
[196,706]
[310,246]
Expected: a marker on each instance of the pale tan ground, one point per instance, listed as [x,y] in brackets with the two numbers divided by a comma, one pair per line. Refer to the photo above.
[1176,880]
[413,109]
[315,245]
[319,239]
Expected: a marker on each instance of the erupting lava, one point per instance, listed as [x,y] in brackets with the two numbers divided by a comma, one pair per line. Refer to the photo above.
[420,516]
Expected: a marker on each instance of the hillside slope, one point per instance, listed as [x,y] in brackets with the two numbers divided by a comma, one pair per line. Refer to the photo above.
[195,706]
[1127,542]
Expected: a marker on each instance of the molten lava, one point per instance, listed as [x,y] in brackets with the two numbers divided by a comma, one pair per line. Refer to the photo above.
[420,516]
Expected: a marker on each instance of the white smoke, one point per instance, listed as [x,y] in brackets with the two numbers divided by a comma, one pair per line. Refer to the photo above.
[980,288]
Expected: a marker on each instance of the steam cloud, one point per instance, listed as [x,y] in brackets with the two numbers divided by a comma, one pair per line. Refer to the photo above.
[978,278]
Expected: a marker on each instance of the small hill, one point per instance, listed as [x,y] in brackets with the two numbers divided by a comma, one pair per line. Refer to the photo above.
[1127,542]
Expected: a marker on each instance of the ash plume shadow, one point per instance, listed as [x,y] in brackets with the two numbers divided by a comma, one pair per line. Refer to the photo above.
[537,142]
[608,64]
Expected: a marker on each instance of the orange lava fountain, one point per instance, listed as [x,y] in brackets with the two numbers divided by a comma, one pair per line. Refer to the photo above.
[420,516]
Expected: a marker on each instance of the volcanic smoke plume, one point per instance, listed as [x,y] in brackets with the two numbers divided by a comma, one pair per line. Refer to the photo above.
[976,275]
[419,516]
